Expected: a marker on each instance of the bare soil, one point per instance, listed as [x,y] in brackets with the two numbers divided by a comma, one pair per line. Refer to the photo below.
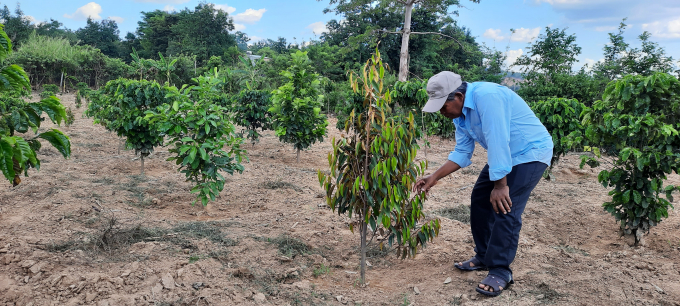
[91,231]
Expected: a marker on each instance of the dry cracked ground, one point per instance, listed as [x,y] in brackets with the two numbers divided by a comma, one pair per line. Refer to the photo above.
[91,231]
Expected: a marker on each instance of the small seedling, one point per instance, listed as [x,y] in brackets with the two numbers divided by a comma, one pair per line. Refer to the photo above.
[321,270]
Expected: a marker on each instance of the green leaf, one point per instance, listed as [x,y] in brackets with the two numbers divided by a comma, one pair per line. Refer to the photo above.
[626,196]
[58,140]
[637,196]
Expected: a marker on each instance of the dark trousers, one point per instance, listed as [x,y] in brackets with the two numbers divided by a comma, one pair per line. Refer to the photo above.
[496,235]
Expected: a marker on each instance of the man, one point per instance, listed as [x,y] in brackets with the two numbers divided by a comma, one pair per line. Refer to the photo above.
[519,150]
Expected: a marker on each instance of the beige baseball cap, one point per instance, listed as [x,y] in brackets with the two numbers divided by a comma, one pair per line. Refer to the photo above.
[438,89]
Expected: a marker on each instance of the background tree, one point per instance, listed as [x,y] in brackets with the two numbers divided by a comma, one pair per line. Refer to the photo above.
[547,68]
[120,106]
[620,59]
[103,35]
[372,171]
[17,26]
[296,109]
[436,8]
[636,122]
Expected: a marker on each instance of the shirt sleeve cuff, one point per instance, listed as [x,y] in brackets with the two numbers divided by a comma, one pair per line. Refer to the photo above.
[497,174]
[459,158]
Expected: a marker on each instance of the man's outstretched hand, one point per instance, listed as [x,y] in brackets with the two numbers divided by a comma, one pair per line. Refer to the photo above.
[500,197]
[424,184]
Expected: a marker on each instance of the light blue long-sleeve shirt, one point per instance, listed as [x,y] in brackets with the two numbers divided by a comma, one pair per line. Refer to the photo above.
[501,122]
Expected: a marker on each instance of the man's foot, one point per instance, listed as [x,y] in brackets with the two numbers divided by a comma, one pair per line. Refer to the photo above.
[493,285]
[472,264]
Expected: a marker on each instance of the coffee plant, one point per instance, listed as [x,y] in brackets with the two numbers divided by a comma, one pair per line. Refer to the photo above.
[638,119]
[120,106]
[46,94]
[51,88]
[79,99]
[561,117]
[296,108]
[373,168]
[18,153]
[198,132]
[251,108]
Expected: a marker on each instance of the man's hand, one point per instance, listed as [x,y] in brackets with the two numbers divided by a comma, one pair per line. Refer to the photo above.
[424,184]
[500,197]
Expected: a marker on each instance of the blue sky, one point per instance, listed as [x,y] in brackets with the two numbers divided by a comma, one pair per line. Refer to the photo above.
[490,21]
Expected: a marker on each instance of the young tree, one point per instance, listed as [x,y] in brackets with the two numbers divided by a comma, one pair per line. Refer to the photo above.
[17,153]
[373,168]
[120,106]
[636,122]
[562,118]
[296,109]
[251,108]
[198,131]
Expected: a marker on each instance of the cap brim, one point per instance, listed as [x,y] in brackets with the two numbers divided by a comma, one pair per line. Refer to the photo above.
[434,104]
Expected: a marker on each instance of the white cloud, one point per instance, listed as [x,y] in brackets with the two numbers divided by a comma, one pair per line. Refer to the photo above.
[665,29]
[225,8]
[513,55]
[117,19]
[604,13]
[318,28]
[164,1]
[525,35]
[250,16]
[239,27]
[169,8]
[591,63]
[31,19]
[91,9]
[605,28]
[254,39]
[494,34]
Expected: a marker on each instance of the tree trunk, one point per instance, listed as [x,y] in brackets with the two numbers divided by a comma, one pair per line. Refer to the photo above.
[403,58]
[142,158]
[364,228]
[422,122]
[61,81]
[298,155]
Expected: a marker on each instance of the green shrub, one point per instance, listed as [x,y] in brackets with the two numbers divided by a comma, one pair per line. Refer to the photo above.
[198,132]
[561,117]
[120,106]
[79,100]
[50,87]
[46,94]
[638,116]
[251,108]
[297,105]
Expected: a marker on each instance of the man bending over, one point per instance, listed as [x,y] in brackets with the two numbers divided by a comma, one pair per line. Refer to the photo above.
[519,149]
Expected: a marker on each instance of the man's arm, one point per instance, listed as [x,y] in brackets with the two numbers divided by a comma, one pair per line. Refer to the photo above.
[425,183]
[495,115]
[459,158]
